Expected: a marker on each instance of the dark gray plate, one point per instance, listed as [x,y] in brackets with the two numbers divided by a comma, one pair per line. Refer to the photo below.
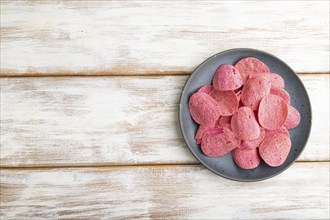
[225,166]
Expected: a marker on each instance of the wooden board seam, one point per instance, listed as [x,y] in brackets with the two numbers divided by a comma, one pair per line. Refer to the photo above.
[121,166]
[105,37]
[93,74]
[102,74]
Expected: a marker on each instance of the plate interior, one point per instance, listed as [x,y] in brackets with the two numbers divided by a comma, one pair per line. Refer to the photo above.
[225,166]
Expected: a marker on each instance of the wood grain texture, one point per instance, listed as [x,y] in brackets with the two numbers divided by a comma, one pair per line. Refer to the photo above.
[65,121]
[143,37]
[173,192]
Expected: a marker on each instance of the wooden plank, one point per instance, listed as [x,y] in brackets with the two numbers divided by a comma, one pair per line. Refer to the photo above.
[69,121]
[142,37]
[174,192]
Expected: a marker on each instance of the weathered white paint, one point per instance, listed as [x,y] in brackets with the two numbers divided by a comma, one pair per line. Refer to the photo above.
[169,192]
[90,121]
[141,37]
[57,121]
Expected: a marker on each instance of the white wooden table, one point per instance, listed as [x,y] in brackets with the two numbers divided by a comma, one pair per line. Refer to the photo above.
[89,106]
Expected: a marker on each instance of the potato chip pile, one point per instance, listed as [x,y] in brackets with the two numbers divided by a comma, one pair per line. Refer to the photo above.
[246,111]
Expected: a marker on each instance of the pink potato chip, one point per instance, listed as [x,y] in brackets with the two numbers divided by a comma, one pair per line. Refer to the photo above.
[244,124]
[218,142]
[273,112]
[246,158]
[200,132]
[275,149]
[227,100]
[256,87]
[293,118]
[227,78]
[203,108]
[250,65]
[206,89]
[282,93]
[254,143]
[276,80]
[224,119]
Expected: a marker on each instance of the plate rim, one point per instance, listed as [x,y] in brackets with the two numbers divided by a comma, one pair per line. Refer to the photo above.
[205,164]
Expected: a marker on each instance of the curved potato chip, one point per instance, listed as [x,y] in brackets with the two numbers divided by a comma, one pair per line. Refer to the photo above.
[227,100]
[293,118]
[275,149]
[203,108]
[246,158]
[227,78]
[244,124]
[272,112]
[250,65]
[276,80]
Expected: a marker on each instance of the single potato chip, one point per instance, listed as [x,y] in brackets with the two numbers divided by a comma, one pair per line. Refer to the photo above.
[203,108]
[227,100]
[244,124]
[227,78]
[246,158]
[275,149]
[273,111]
[250,65]
[276,80]
[293,118]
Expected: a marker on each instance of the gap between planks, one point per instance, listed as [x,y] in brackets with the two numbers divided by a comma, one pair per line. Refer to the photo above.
[122,166]
[102,74]
[99,74]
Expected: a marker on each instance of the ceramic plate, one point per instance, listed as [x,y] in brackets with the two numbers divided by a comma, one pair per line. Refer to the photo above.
[225,166]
